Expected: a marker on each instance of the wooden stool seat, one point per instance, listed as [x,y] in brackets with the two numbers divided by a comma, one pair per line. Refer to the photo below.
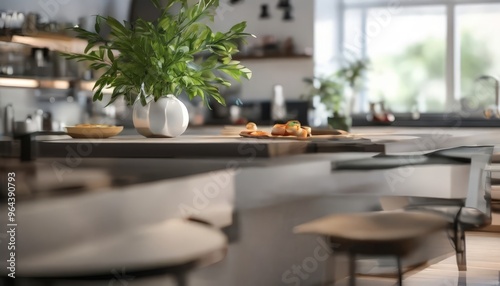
[394,233]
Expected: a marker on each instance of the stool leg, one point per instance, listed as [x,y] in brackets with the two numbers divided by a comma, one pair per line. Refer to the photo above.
[400,271]
[352,268]
[459,241]
[462,278]
[330,273]
[181,279]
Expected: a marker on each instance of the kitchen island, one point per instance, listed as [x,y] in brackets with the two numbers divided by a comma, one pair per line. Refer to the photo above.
[257,201]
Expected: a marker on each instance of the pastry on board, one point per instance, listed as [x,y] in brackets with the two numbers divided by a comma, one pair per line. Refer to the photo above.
[292,128]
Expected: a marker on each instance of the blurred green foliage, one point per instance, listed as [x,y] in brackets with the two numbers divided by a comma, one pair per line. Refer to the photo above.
[331,89]
[420,71]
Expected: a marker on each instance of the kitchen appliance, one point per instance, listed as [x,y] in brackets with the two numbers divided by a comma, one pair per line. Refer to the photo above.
[12,59]
[40,63]
[25,127]
[278,106]
[8,120]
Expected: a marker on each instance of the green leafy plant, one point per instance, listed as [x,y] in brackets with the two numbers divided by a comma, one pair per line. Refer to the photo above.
[352,72]
[175,53]
[331,88]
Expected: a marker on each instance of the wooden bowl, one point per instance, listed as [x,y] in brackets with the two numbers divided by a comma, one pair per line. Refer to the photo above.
[93,132]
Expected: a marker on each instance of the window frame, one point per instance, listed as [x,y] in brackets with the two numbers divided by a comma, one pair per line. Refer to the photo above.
[453,52]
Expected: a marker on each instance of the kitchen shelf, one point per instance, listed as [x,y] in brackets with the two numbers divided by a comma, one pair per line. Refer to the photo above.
[52,41]
[48,83]
[61,83]
[36,82]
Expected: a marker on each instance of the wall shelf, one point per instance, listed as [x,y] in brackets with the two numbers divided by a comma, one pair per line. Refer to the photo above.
[62,83]
[52,41]
[36,82]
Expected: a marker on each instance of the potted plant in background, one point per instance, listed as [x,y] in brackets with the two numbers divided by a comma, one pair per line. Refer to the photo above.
[330,92]
[338,92]
[151,63]
[352,74]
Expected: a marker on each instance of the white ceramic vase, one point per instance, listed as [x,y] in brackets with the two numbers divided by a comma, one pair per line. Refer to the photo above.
[168,117]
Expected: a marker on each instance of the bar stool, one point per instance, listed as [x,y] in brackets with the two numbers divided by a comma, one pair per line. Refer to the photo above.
[173,247]
[394,233]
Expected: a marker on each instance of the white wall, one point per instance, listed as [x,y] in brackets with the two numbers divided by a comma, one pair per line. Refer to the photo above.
[268,72]
[326,36]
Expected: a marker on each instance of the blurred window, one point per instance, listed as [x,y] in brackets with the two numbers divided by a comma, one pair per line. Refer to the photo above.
[411,52]
[479,53]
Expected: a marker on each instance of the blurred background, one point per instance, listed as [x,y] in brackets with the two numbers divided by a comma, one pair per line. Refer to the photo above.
[423,58]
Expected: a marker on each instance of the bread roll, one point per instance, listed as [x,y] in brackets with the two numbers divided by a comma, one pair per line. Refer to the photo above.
[279,130]
[302,133]
[251,126]
[308,129]
[292,127]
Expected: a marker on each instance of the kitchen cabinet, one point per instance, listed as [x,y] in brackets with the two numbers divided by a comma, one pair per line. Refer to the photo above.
[34,61]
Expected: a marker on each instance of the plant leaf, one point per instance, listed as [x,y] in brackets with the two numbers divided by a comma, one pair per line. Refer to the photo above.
[164,54]
[238,28]
[156,3]
[111,56]
[97,25]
